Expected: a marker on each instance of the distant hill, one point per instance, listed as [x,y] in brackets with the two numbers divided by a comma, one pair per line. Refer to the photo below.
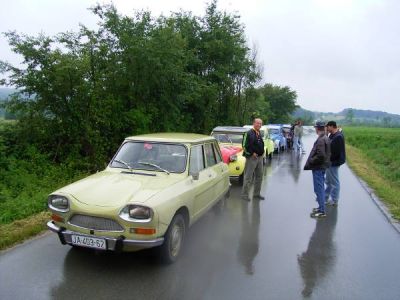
[350,116]
[4,93]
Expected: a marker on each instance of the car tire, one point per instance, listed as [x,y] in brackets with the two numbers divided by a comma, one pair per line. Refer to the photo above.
[241,179]
[173,239]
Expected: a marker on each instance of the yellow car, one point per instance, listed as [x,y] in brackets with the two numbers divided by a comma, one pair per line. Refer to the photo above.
[230,140]
[269,146]
[155,187]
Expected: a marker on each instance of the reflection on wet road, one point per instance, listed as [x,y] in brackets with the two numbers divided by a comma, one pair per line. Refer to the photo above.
[267,249]
[320,256]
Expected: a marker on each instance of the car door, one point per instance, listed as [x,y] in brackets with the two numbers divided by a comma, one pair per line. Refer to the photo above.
[218,171]
[201,182]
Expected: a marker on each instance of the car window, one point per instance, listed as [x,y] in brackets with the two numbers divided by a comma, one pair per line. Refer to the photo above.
[196,159]
[274,131]
[151,156]
[234,138]
[217,152]
[210,156]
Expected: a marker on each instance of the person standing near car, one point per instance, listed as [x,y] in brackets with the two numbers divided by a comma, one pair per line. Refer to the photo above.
[318,161]
[253,150]
[338,158]
[298,132]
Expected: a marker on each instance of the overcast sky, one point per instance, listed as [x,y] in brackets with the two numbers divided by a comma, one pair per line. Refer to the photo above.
[334,53]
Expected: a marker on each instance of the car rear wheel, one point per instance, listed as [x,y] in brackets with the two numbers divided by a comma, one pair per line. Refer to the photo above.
[173,240]
[241,179]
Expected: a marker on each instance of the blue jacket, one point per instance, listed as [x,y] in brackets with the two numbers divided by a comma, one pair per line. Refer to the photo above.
[338,151]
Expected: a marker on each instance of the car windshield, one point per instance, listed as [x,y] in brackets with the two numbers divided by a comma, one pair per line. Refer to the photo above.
[234,138]
[274,130]
[151,156]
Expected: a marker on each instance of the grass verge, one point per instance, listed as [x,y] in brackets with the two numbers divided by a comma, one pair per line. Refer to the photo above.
[366,169]
[18,231]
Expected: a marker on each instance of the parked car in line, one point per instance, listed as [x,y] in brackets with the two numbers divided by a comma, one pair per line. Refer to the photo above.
[268,142]
[230,139]
[277,135]
[288,133]
[155,187]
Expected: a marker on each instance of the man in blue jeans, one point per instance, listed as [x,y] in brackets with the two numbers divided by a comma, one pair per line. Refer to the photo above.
[338,158]
[318,161]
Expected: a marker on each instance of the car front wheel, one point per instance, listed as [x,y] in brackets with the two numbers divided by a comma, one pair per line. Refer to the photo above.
[173,240]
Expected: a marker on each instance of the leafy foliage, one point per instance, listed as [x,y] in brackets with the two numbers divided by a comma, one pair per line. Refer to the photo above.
[81,93]
[273,103]
[27,177]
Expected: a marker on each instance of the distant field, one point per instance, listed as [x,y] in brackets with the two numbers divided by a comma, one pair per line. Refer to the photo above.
[374,154]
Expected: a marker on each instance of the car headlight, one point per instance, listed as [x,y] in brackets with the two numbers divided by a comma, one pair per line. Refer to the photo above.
[58,203]
[233,157]
[137,213]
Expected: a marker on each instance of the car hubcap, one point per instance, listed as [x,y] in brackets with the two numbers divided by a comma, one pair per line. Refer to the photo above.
[176,239]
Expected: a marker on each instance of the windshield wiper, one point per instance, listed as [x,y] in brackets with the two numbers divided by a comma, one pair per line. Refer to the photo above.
[153,165]
[124,163]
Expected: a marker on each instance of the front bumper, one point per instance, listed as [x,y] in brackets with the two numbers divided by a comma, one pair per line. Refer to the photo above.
[113,244]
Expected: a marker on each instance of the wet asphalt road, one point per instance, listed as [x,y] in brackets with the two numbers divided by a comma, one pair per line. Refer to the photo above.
[267,249]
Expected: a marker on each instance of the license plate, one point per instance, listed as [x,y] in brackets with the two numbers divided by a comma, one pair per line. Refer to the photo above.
[87,241]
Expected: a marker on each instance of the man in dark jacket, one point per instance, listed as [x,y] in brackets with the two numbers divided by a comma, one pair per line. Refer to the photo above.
[318,162]
[338,158]
[253,150]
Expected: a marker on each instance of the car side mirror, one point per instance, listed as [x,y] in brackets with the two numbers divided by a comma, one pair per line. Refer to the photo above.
[195,176]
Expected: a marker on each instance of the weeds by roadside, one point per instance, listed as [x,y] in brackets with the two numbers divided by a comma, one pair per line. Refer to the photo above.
[373,153]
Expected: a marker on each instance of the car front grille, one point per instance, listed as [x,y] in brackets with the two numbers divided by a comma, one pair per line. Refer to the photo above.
[95,223]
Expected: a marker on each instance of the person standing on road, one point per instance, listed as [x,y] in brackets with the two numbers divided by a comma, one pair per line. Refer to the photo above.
[298,136]
[253,150]
[318,161]
[338,158]
[296,133]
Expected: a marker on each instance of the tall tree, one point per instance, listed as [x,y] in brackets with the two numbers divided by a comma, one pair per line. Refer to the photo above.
[80,93]
[280,102]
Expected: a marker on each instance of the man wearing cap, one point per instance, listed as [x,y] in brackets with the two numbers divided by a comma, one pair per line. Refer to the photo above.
[318,161]
[338,158]
[253,150]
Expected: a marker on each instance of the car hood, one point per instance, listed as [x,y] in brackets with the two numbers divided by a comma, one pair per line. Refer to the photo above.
[228,150]
[115,189]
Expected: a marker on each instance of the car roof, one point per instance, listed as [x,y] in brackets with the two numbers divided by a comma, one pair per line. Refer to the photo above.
[274,126]
[174,137]
[232,129]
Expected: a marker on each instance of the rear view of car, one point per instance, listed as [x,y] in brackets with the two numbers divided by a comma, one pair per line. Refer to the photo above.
[230,139]
[277,135]
[288,134]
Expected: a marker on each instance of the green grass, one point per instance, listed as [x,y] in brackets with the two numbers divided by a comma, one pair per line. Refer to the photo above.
[18,231]
[374,155]
[25,184]
[26,178]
